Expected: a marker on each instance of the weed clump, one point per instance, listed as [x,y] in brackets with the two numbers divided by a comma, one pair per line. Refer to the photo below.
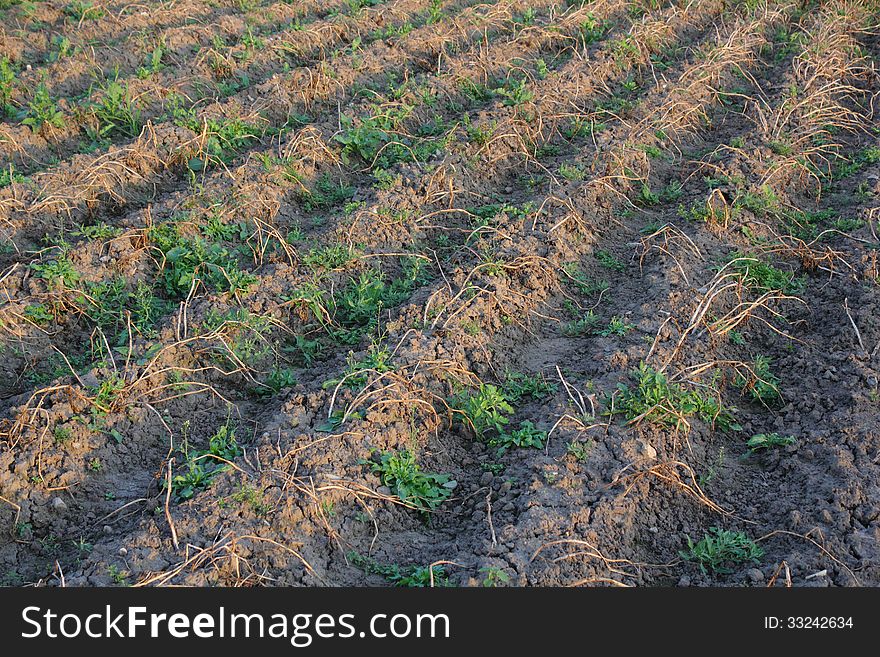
[657,400]
[485,410]
[406,576]
[202,466]
[720,549]
[765,441]
[403,475]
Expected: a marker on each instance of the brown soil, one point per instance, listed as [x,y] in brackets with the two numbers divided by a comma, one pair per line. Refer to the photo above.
[334,223]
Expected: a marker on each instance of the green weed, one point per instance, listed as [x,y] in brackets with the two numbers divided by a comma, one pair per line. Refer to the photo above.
[763,277]
[326,192]
[485,410]
[7,87]
[762,441]
[116,113]
[720,549]
[403,475]
[43,110]
[585,325]
[81,10]
[528,435]
[187,259]
[518,385]
[607,260]
[407,576]
[656,400]
[761,384]
[617,326]
[200,467]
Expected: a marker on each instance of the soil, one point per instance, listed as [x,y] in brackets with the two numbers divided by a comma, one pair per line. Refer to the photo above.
[602,161]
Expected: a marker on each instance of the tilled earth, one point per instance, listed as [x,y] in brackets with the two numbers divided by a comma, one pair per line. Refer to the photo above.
[267,268]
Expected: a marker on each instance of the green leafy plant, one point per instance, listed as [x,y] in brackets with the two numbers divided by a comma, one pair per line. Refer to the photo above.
[585,285]
[485,410]
[379,141]
[325,193]
[7,87]
[617,326]
[518,385]
[377,359]
[406,576]
[515,91]
[154,62]
[494,576]
[253,498]
[63,48]
[592,29]
[81,10]
[762,441]
[528,435]
[607,260]
[760,383]
[575,172]
[39,314]
[107,394]
[579,450]
[331,256]
[720,549]
[9,175]
[402,474]
[58,273]
[119,577]
[99,231]
[584,325]
[189,258]
[200,467]
[116,112]
[764,277]
[43,110]
[222,138]
[656,400]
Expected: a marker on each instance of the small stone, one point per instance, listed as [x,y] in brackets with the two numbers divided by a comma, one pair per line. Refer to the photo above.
[383,490]
[486,479]
[755,576]
[122,552]
[684,581]
[58,504]
[505,487]
[648,451]
[108,529]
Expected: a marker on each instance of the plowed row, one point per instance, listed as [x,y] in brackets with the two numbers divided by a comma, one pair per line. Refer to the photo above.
[429,292]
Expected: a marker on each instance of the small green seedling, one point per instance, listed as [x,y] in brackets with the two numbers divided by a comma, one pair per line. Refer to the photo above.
[760,383]
[763,441]
[405,576]
[493,577]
